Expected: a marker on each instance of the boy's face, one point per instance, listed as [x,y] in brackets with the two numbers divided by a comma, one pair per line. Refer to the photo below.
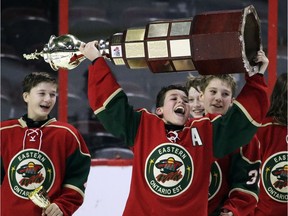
[217,97]
[175,109]
[196,105]
[40,101]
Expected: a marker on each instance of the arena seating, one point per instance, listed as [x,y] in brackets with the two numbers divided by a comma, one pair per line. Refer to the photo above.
[28,25]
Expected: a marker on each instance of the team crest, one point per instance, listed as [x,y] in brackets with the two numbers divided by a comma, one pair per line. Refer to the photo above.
[215,180]
[28,170]
[169,170]
[275,176]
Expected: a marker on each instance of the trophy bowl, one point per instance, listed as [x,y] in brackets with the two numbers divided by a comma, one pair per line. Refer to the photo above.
[63,52]
[60,52]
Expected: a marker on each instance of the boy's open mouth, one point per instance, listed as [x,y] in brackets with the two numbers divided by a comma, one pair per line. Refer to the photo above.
[179,110]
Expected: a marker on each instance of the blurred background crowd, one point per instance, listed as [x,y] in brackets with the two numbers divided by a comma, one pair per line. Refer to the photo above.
[26,26]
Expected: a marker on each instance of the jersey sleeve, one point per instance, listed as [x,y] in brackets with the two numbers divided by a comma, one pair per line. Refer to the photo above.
[2,165]
[110,104]
[76,175]
[244,179]
[69,201]
[240,203]
[237,127]
[2,171]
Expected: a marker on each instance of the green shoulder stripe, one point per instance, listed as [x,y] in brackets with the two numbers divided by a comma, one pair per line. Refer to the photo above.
[119,118]
[231,131]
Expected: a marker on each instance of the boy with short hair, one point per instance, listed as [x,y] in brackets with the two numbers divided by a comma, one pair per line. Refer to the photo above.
[39,151]
[172,156]
[233,189]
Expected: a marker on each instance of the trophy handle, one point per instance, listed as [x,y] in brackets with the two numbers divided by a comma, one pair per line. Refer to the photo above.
[32,55]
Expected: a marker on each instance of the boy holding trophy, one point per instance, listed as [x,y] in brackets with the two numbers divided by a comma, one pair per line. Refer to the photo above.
[172,155]
[42,159]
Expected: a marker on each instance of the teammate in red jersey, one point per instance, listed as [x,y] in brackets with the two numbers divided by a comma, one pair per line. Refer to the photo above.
[233,188]
[39,151]
[273,197]
[172,156]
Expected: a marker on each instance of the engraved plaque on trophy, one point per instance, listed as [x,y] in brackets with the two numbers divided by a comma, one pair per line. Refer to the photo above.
[212,43]
[169,46]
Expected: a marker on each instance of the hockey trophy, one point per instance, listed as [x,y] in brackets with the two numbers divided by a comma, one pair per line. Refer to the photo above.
[39,197]
[212,43]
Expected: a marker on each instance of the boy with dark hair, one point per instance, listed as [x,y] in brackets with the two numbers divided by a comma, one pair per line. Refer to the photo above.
[172,156]
[39,151]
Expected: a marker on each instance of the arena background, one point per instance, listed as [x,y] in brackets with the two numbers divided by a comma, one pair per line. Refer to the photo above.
[26,26]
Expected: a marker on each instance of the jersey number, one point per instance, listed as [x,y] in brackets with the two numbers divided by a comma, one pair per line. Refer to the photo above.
[253,177]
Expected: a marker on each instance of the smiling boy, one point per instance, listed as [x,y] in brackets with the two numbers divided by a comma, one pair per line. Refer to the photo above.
[39,151]
[182,187]
[233,189]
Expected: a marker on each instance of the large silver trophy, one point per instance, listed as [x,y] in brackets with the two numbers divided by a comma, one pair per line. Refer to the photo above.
[212,43]
[61,52]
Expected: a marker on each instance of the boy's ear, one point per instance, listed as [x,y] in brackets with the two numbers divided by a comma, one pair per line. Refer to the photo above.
[232,100]
[159,111]
[201,96]
[25,94]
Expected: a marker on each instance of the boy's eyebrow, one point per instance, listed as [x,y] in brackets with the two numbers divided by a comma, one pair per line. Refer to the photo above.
[44,90]
[211,87]
[176,94]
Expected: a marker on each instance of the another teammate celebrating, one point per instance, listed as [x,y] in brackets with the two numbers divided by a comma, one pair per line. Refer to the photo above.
[172,156]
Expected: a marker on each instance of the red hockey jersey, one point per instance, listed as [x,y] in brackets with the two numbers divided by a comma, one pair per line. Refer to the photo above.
[54,156]
[273,196]
[234,183]
[172,178]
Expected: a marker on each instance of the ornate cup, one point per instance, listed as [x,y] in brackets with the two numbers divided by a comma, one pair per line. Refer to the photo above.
[39,197]
[62,52]
[217,42]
